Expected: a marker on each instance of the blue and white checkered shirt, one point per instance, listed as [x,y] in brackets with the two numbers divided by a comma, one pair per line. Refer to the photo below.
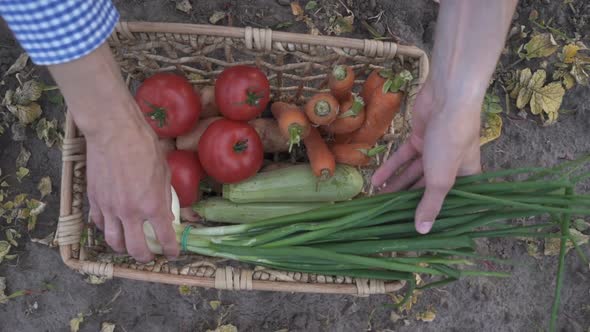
[58,31]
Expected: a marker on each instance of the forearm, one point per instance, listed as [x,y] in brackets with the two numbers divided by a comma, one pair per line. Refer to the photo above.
[470,35]
[96,94]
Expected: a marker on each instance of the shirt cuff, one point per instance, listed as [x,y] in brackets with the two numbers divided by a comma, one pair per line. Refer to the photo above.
[57,31]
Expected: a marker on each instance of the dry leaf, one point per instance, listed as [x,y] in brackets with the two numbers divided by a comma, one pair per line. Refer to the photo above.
[75,322]
[95,280]
[184,6]
[214,304]
[540,45]
[11,236]
[19,199]
[426,316]
[44,186]
[4,249]
[3,297]
[524,77]
[296,9]
[492,129]
[535,82]
[533,15]
[569,52]
[549,118]
[26,113]
[581,225]
[184,290]
[225,328]
[568,81]
[547,99]
[311,5]
[107,327]
[36,207]
[19,132]
[580,74]
[532,247]
[343,24]
[48,131]
[491,104]
[21,173]
[394,317]
[30,91]
[23,157]
[48,240]
[18,65]
[552,245]
[216,17]
[8,96]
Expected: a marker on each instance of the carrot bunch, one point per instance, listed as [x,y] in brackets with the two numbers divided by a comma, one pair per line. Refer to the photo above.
[355,121]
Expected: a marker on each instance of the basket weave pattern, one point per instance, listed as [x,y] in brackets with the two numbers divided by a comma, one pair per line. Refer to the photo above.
[296,65]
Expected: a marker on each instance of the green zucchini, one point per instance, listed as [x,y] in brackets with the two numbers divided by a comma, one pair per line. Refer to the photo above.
[222,210]
[296,184]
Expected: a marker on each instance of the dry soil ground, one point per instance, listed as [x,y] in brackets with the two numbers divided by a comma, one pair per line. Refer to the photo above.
[519,303]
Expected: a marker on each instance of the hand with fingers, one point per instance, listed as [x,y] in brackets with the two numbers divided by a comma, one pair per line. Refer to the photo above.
[129,183]
[444,142]
[127,173]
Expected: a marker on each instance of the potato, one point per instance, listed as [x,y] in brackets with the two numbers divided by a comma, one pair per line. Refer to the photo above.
[208,105]
[167,144]
[190,141]
[270,134]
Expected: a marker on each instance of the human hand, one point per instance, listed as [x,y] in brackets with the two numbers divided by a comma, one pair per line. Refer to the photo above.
[128,177]
[129,183]
[443,144]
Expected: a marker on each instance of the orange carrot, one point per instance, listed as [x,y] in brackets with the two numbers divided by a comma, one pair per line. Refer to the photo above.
[355,154]
[342,138]
[385,103]
[352,116]
[292,122]
[322,109]
[321,159]
[340,81]
[375,81]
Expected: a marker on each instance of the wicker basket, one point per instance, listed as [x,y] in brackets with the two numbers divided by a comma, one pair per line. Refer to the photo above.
[296,65]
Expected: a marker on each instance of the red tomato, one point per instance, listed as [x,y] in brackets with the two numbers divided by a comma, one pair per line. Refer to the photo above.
[186,175]
[230,151]
[170,104]
[242,92]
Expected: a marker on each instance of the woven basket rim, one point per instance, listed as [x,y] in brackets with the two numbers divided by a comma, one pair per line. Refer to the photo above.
[74,149]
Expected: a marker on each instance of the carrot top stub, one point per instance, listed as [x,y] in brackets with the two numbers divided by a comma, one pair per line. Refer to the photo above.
[357,106]
[398,82]
[322,109]
[340,72]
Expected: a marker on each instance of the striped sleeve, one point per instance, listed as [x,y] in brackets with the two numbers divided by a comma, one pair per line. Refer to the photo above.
[58,31]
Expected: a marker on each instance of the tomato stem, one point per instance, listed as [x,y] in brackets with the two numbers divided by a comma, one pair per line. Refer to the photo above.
[339,72]
[252,98]
[295,131]
[322,108]
[354,110]
[157,114]
[241,146]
